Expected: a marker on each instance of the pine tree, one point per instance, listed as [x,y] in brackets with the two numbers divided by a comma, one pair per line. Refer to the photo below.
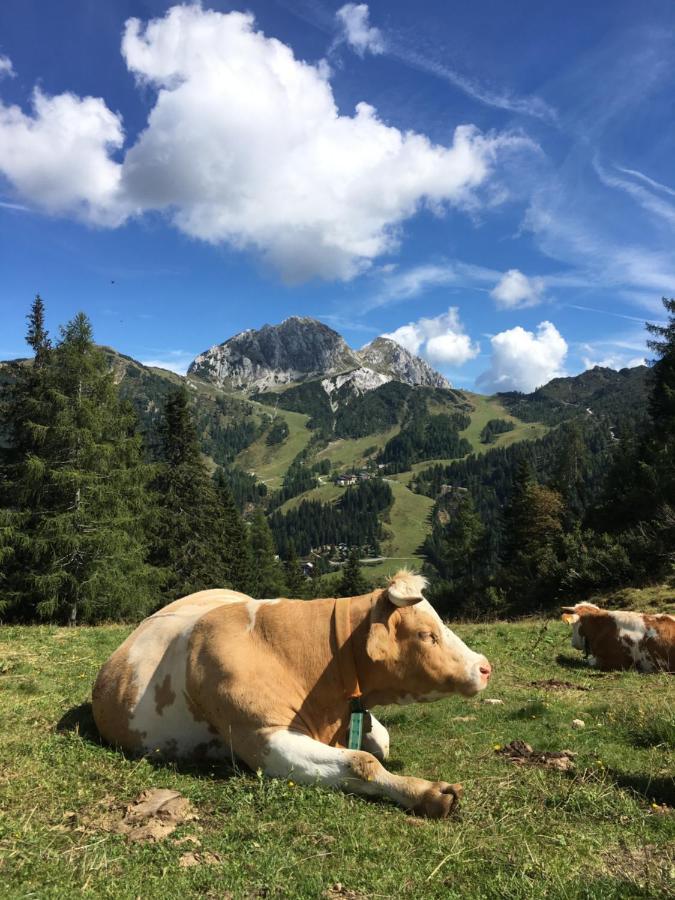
[352,583]
[21,409]
[456,560]
[296,583]
[267,574]
[239,558]
[532,527]
[192,533]
[79,487]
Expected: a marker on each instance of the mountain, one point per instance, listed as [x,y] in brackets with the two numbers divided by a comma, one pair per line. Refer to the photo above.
[597,392]
[398,364]
[304,349]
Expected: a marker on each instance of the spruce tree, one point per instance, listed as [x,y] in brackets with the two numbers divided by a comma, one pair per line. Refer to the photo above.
[532,528]
[352,583]
[296,583]
[267,574]
[456,560]
[22,418]
[238,549]
[78,487]
[192,529]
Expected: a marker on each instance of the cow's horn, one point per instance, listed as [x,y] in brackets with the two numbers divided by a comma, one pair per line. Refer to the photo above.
[406,588]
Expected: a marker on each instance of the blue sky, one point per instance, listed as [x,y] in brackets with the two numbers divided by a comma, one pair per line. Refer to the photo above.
[490,183]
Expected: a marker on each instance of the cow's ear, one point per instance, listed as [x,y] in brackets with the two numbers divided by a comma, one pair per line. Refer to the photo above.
[569,615]
[381,641]
[406,588]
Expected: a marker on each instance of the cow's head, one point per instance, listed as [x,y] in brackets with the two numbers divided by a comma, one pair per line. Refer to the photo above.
[413,654]
[574,616]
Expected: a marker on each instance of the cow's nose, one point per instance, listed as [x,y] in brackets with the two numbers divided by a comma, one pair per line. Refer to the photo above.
[486,669]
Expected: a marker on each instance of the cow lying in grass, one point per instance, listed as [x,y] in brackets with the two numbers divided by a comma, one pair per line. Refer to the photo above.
[622,640]
[270,681]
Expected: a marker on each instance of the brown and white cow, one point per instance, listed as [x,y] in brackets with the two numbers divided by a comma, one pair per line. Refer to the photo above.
[218,673]
[622,640]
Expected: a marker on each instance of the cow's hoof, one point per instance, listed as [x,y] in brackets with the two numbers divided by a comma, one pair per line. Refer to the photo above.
[440,800]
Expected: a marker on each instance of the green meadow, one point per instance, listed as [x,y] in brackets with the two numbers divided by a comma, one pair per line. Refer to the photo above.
[605,828]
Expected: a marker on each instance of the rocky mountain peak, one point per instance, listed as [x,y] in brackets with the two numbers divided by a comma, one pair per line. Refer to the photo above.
[386,356]
[304,349]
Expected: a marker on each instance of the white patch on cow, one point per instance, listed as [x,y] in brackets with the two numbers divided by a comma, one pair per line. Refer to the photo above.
[298,756]
[577,640]
[377,739]
[632,633]
[160,650]
[252,607]
[592,662]
[455,645]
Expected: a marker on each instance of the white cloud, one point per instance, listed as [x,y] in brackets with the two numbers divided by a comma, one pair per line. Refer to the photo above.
[174,360]
[58,157]
[440,339]
[648,198]
[515,290]
[359,34]
[245,146]
[522,360]
[6,67]
[613,362]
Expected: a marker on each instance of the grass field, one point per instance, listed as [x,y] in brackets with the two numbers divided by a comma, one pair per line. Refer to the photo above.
[486,408]
[269,463]
[604,830]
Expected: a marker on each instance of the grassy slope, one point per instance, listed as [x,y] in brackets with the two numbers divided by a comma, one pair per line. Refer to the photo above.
[486,408]
[349,453]
[270,463]
[522,832]
[409,516]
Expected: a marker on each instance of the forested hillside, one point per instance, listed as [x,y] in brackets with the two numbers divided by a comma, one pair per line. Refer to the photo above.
[510,502]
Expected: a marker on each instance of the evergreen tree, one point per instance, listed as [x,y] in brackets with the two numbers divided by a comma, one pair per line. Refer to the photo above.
[21,409]
[296,583]
[240,560]
[352,583]
[78,486]
[193,531]
[456,560]
[267,574]
[532,527]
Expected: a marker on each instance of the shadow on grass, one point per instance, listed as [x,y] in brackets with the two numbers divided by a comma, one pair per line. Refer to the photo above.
[659,789]
[571,662]
[80,719]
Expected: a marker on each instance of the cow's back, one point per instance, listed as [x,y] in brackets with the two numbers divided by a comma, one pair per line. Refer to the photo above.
[139,699]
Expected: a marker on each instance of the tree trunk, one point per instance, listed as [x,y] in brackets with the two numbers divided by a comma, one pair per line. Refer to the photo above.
[72,619]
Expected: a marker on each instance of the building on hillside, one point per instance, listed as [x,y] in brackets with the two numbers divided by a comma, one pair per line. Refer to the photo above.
[346,480]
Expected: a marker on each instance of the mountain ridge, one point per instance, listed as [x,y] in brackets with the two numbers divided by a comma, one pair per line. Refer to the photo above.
[303,349]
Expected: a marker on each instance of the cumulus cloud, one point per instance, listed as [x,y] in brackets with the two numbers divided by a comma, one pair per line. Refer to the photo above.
[58,157]
[359,34]
[515,290]
[6,67]
[523,360]
[440,339]
[244,145]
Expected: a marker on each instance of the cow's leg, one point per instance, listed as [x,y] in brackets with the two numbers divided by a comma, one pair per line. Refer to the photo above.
[377,740]
[291,754]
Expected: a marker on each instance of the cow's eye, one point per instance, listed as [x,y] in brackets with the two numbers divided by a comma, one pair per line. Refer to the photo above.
[428,636]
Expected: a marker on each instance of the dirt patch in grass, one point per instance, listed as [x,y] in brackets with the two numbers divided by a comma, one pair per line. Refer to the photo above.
[555,684]
[151,817]
[642,865]
[521,753]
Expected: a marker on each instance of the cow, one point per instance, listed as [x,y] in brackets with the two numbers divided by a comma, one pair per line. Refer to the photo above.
[622,640]
[273,683]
